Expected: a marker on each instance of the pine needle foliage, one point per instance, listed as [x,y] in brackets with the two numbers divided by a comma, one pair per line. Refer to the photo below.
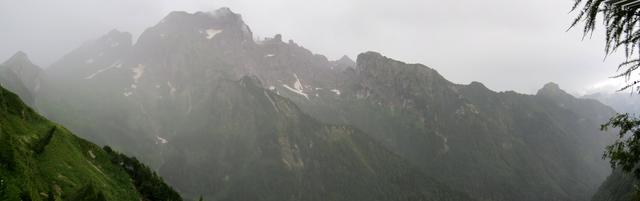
[622,28]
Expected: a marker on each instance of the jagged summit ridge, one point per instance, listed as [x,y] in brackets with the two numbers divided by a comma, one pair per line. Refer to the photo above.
[207,24]
[118,36]
[222,13]
[373,65]
[478,85]
[365,59]
[343,63]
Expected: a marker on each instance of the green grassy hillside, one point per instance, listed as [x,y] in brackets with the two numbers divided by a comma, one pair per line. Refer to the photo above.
[40,160]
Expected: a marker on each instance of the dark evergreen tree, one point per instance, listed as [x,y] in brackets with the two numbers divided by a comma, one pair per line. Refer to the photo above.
[621,19]
[147,182]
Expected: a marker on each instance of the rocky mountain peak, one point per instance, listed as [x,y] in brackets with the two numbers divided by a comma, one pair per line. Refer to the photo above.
[220,19]
[373,64]
[346,60]
[478,85]
[552,89]
[368,60]
[343,63]
[118,35]
[20,75]
[179,27]
[370,55]
[223,12]
[115,39]
[551,86]
[19,58]
[20,64]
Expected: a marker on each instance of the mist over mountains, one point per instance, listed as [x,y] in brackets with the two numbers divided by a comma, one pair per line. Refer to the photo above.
[220,114]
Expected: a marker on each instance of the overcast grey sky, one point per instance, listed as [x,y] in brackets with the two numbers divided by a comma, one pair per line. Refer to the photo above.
[506,44]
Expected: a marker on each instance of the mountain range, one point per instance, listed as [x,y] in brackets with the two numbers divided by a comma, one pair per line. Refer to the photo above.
[225,116]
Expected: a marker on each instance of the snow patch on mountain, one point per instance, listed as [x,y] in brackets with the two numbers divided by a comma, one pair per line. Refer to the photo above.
[297,87]
[89,61]
[138,72]
[114,65]
[297,84]
[296,91]
[161,140]
[172,89]
[212,33]
[337,92]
